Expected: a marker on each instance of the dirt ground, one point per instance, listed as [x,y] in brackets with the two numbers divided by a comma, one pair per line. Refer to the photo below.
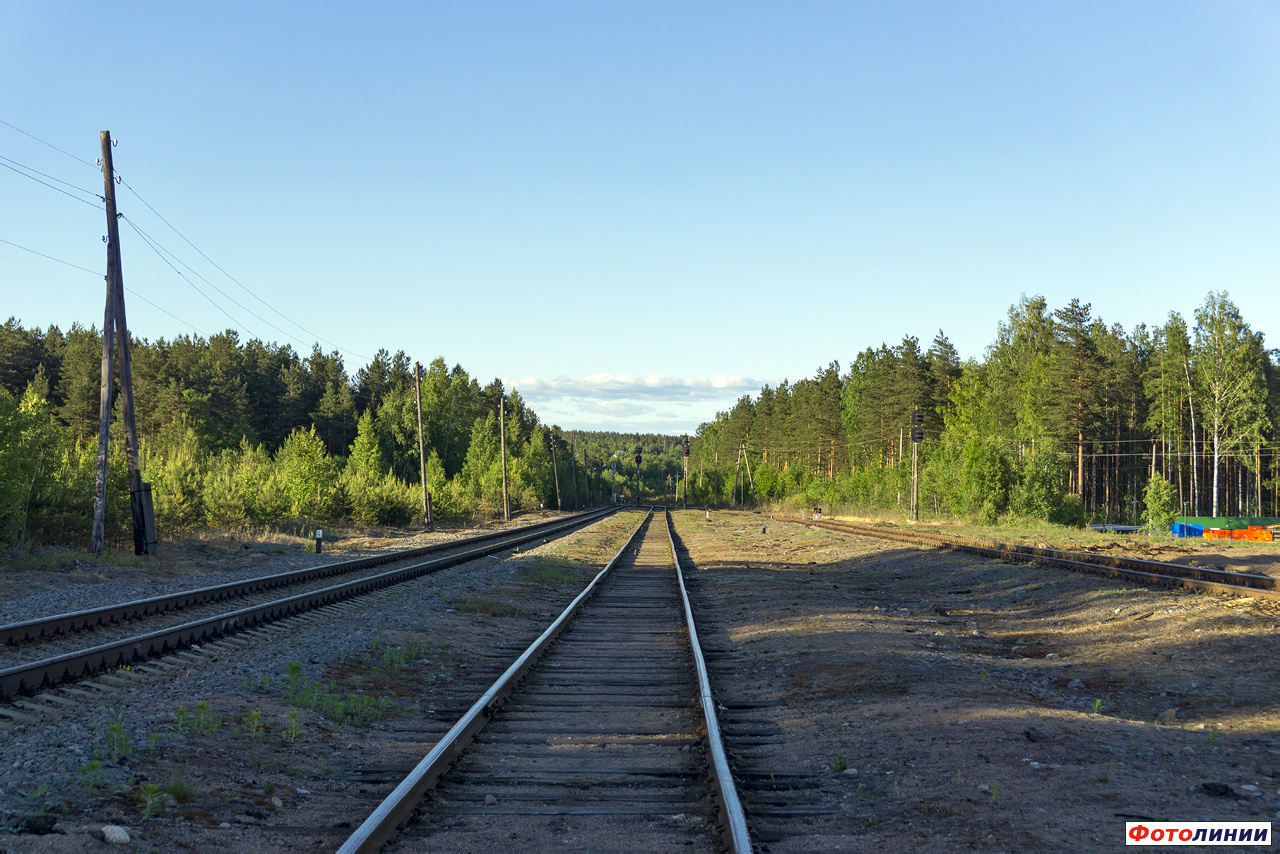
[941,702]
[1230,555]
[958,703]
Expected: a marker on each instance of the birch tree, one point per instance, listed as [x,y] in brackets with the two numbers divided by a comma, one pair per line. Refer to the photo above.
[1228,365]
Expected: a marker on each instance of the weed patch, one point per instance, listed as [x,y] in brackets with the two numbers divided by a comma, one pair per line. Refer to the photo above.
[327,699]
[489,609]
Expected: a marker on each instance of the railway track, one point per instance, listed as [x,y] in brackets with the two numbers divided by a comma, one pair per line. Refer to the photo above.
[602,733]
[48,651]
[1203,579]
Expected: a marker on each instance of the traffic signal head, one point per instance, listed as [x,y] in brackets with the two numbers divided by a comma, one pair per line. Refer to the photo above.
[917,435]
[637,459]
[917,418]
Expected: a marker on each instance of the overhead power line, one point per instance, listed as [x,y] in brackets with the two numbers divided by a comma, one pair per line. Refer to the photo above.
[50,186]
[50,144]
[241,285]
[52,178]
[164,253]
[99,275]
[156,249]
[50,257]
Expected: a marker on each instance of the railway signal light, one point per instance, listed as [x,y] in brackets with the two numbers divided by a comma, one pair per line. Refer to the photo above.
[637,459]
[917,418]
[686,445]
[917,435]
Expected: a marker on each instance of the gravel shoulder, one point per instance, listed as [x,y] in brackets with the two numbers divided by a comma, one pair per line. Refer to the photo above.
[954,703]
[935,701]
[286,738]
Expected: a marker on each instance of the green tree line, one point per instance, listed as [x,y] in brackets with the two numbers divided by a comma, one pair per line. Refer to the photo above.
[1065,418]
[235,434]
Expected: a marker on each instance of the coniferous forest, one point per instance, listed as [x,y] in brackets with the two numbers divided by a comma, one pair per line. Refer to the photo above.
[1065,418]
[235,434]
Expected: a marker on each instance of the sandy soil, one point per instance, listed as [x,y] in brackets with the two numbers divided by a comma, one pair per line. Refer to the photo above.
[930,701]
[983,705]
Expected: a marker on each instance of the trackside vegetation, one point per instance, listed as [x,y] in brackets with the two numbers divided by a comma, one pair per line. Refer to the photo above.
[1065,419]
[250,434]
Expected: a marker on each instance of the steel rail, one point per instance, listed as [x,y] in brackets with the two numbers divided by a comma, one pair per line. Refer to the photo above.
[73,665]
[398,807]
[1199,578]
[12,634]
[733,818]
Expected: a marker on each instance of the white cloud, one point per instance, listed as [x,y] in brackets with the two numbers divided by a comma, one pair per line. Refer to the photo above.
[628,386]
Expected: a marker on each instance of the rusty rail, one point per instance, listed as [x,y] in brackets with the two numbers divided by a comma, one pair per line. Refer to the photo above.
[1199,578]
[32,676]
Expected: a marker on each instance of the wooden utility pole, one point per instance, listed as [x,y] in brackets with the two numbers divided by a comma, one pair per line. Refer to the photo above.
[715,465]
[104,417]
[737,475]
[573,469]
[502,433]
[144,537]
[555,470]
[422,456]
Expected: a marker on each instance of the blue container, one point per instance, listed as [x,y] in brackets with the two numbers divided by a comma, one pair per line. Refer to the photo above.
[1187,530]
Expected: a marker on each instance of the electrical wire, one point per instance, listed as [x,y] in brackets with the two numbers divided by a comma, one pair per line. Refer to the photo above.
[50,186]
[51,145]
[155,243]
[52,178]
[155,249]
[50,257]
[96,273]
[238,282]
[193,272]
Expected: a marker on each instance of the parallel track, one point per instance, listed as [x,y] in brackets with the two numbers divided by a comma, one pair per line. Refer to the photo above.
[1130,569]
[86,661]
[603,730]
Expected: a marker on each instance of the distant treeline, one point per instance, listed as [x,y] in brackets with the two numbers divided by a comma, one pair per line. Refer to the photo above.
[1065,418]
[237,434]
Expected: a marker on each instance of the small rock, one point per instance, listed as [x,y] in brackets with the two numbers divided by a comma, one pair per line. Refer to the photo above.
[276,802]
[490,800]
[850,771]
[1251,790]
[1167,717]
[1053,656]
[1218,790]
[224,825]
[1075,685]
[301,791]
[1188,751]
[114,834]
[984,788]
[1033,734]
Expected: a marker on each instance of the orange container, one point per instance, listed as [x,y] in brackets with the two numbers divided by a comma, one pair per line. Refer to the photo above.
[1217,534]
[1239,533]
[1259,534]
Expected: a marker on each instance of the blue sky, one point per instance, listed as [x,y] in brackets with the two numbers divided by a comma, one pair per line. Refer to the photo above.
[635,213]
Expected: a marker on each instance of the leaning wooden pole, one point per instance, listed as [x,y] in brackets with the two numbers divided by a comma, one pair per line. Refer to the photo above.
[143,527]
[502,433]
[104,416]
[422,460]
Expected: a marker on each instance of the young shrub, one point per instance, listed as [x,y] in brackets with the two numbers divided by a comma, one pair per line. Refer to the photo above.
[310,475]
[1162,505]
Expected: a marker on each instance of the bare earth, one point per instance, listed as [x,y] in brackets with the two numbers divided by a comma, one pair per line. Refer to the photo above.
[937,702]
[983,705]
